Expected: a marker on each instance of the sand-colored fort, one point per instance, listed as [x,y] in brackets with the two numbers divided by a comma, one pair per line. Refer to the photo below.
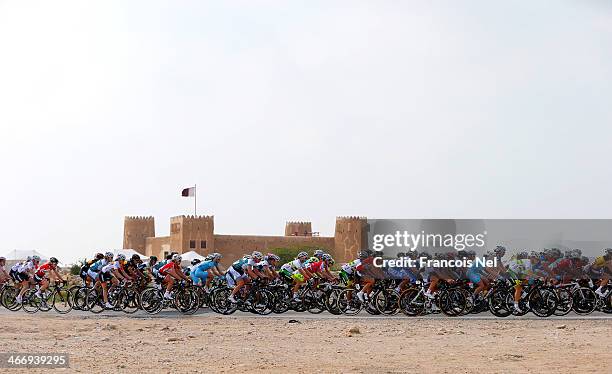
[197,233]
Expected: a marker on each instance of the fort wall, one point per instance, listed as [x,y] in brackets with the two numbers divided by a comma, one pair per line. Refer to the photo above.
[233,247]
[157,246]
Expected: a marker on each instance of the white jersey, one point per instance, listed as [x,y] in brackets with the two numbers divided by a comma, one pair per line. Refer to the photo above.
[115,265]
[26,267]
[293,266]
[350,267]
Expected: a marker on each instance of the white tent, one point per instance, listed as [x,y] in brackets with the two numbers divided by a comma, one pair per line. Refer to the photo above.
[16,255]
[187,257]
[128,253]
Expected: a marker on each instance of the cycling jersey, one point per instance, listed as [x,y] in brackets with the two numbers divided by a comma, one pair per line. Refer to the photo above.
[240,265]
[98,265]
[115,265]
[519,269]
[170,265]
[600,262]
[292,266]
[203,266]
[316,267]
[43,270]
[351,266]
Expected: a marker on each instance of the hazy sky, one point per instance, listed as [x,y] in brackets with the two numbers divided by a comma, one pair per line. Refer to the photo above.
[285,110]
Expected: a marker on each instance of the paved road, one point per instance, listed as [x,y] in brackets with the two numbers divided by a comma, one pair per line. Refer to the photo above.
[305,315]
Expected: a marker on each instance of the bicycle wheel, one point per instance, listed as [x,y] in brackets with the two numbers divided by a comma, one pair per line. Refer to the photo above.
[151,300]
[331,302]
[128,301]
[94,301]
[584,301]
[79,299]
[222,304]
[187,301]
[451,302]
[387,301]
[8,298]
[412,302]
[262,302]
[498,303]
[564,302]
[543,302]
[348,302]
[31,302]
[60,299]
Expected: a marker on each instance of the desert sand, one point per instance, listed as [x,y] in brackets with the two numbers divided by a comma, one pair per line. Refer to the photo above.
[247,344]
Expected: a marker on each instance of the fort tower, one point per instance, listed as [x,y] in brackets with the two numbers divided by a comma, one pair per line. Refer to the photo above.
[136,230]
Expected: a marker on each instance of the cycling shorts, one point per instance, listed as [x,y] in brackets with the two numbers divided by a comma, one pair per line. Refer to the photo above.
[297,276]
[199,276]
[18,276]
[92,274]
[232,276]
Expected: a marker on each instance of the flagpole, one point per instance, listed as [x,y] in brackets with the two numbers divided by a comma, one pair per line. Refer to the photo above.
[195,200]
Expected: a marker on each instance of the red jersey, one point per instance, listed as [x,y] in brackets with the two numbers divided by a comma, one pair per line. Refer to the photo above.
[316,267]
[43,269]
[170,265]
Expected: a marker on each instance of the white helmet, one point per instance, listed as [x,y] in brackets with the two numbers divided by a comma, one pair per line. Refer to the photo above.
[176,257]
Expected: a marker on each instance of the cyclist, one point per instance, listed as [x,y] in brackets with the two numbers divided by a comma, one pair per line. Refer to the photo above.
[95,268]
[518,269]
[294,272]
[603,265]
[172,271]
[252,266]
[86,266]
[24,273]
[201,270]
[40,276]
[268,266]
[116,270]
[4,276]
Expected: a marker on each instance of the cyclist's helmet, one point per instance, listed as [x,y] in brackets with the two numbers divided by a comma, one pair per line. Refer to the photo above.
[318,254]
[195,261]
[176,257]
[256,255]
[109,255]
[152,259]
[363,255]
[120,257]
[36,258]
[271,257]
[607,251]
[216,256]
[2,258]
[53,260]
[302,255]
[426,255]
[522,255]
[577,253]
[499,251]
[29,258]
[568,254]
[99,256]
[246,257]
[142,266]
[135,257]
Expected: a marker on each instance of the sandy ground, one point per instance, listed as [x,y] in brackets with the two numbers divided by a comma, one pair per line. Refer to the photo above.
[230,344]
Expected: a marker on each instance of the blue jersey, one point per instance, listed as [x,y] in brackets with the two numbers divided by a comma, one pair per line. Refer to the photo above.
[205,265]
[98,265]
